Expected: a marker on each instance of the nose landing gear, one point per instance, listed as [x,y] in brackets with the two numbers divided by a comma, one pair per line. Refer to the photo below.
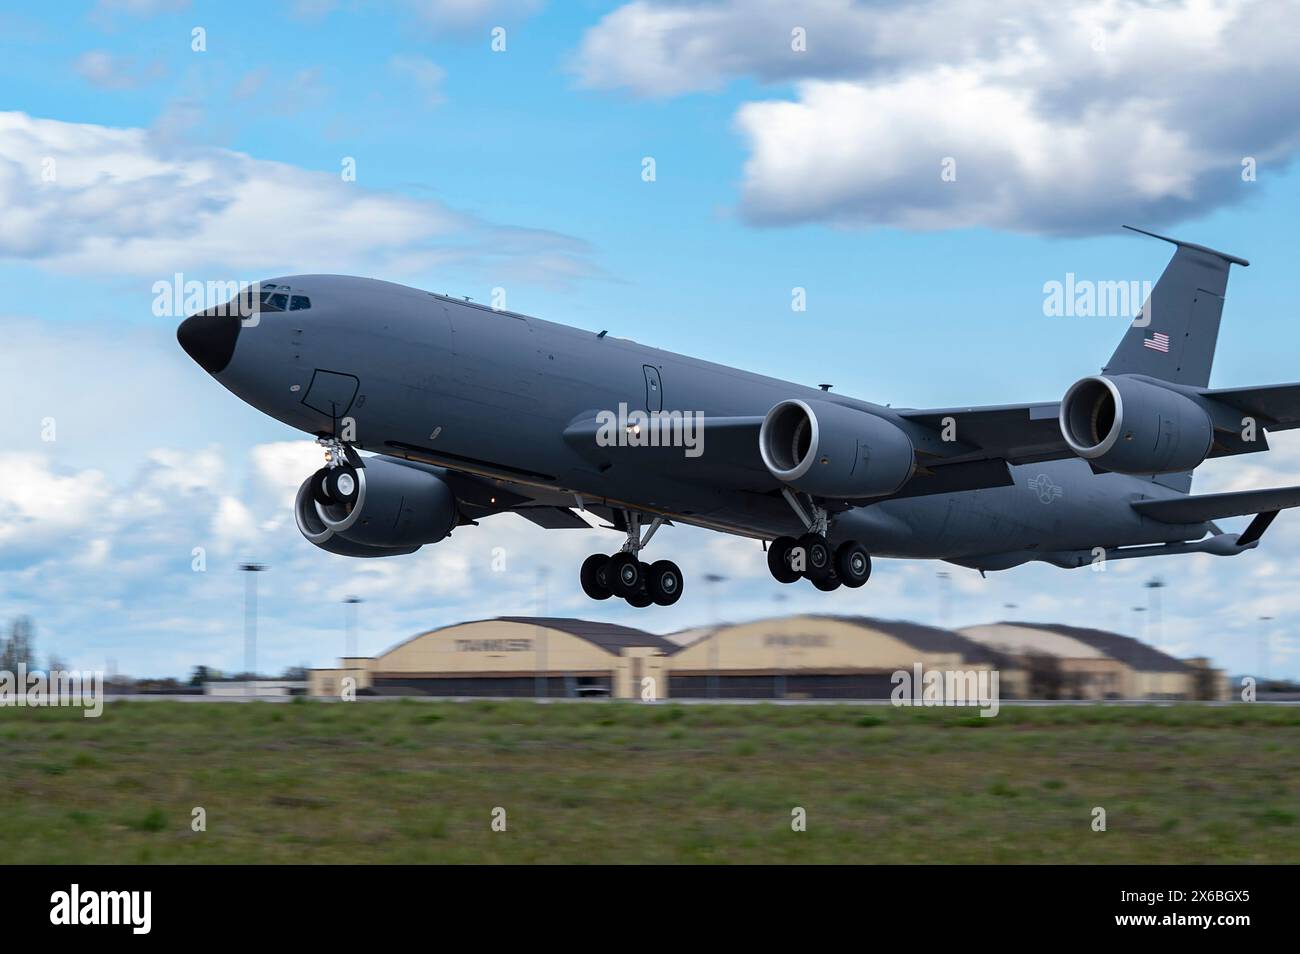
[336,482]
[625,575]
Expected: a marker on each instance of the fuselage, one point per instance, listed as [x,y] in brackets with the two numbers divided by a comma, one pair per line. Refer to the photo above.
[491,393]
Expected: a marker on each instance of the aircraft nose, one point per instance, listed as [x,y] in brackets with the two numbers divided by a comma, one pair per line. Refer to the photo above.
[209,339]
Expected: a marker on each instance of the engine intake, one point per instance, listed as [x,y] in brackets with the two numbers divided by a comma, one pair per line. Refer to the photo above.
[395,508]
[829,450]
[1133,426]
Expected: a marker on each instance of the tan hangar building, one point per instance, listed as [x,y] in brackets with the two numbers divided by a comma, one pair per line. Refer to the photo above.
[1081,663]
[819,657]
[509,656]
[807,656]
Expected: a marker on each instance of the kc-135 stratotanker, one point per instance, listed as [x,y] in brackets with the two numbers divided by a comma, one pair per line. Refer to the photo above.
[466,412]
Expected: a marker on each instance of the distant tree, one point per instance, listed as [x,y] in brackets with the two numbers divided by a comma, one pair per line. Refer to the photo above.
[1045,677]
[54,664]
[294,674]
[200,675]
[20,647]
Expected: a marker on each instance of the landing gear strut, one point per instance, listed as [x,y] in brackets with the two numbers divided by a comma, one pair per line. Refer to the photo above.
[336,482]
[811,558]
[625,575]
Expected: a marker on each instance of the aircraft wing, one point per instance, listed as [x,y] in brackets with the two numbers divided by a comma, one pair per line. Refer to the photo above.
[730,457]
[1015,433]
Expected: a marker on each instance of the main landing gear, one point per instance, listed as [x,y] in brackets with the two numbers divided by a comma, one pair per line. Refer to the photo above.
[625,575]
[811,558]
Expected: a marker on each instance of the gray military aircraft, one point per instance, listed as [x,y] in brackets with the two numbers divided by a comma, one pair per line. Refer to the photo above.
[467,412]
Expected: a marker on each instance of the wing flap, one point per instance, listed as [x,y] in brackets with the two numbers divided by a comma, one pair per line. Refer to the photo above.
[722,451]
[553,518]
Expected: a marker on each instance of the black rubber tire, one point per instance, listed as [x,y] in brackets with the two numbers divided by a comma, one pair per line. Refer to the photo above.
[342,484]
[827,584]
[664,582]
[595,581]
[852,564]
[819,562]
[624,574]
[639,600]
[318,492]
[778,560]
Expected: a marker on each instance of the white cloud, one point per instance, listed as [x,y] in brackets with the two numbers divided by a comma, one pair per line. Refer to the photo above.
[424,76]
[124,201]
[250,83]
[103,70]
[40,507]
[140,8]
[233,524]
[281,466]
[1063,118]
[462,14]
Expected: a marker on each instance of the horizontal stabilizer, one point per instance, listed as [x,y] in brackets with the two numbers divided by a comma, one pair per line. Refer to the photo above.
[1274,406]
[1192,245]
[1205,507]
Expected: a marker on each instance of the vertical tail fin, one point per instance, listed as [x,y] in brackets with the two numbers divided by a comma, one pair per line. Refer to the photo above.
[1173,339]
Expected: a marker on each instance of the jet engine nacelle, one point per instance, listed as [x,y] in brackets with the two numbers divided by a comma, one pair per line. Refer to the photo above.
[395,509]
[829,450]
[1132,426]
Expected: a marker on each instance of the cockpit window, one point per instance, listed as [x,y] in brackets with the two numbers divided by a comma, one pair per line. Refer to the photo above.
[271,298]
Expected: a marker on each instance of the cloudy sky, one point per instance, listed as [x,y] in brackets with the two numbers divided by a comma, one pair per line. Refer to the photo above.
[790,150]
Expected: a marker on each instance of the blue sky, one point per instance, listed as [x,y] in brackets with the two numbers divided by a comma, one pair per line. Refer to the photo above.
[522,169]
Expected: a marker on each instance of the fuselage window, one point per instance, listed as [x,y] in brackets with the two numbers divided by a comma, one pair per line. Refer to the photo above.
[299,303]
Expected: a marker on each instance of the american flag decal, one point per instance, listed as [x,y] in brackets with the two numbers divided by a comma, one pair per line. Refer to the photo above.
[1157,342]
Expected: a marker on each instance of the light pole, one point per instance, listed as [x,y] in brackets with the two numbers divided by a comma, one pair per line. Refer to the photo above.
[1154,586]
[780,685]
[250,621]
[350,626]
[945,596]
[713,579]
[541,678]
[1263,648]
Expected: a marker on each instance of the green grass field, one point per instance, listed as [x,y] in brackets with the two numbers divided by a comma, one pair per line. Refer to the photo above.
[397,781]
